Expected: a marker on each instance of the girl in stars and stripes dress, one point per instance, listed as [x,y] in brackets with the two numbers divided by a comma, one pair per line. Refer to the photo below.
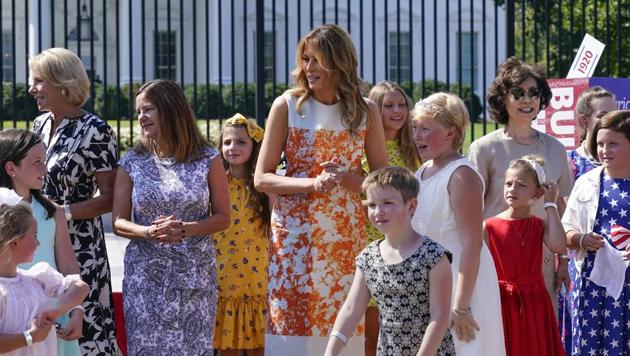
[597,222]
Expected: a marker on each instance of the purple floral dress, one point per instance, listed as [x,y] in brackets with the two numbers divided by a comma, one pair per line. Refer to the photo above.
[170,290]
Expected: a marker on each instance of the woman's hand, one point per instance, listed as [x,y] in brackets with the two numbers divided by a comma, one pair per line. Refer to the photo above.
[330,177]
[74,328]
[591,241]
[39,332]
[464,325]
[167,229]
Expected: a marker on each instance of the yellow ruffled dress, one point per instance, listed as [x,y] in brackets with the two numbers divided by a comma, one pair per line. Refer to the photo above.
[241,255]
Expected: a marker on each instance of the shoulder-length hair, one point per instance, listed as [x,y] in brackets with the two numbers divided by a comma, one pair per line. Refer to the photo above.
[14,145]
[178,125]
[405,135]
[584,106]
[510,74]
[62,68]
[336,54]
[617,121]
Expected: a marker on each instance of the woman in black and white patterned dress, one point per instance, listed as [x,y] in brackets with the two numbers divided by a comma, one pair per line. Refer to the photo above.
[80,158]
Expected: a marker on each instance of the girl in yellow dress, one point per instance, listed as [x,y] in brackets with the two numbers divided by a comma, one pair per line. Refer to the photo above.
[242,249]
[394,106]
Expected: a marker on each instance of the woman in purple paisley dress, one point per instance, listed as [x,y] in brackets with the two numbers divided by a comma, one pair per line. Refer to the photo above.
[175,184]
[80,158]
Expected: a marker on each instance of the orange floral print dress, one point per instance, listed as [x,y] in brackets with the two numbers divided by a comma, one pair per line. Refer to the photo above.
[315,237]
[241,255]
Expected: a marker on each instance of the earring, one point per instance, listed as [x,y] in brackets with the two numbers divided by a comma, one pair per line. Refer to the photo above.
[63,92]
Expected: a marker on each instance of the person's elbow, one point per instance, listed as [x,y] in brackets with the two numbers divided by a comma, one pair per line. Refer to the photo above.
[82,289]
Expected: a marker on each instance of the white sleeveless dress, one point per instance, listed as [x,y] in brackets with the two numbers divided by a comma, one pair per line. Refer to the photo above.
[434,218]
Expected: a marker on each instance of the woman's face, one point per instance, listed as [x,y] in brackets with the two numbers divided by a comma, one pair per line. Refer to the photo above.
[47,96]
[148,117]
[522,102]
[395,111]
[319,80]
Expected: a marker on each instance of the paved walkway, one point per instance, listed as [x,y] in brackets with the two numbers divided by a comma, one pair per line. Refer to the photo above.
[115,252]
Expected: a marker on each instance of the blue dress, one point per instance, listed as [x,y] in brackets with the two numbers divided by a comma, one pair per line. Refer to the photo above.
[45,252]
[170,290]
[601,322]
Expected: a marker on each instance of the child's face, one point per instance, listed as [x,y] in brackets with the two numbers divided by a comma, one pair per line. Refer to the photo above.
[613,150]
[25,246]
[31,170]
[236,146]
[601,107]
[431,138]
[395,111]
[387,210]
[519,189]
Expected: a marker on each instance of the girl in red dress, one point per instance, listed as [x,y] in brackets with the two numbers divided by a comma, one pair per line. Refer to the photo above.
[514,238]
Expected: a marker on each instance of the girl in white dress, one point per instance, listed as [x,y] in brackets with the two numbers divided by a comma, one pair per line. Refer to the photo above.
[450,207]
[27,318]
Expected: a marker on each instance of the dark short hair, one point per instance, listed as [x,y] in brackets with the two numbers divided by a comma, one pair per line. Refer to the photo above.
[618,121]
[399,178]
[510,74]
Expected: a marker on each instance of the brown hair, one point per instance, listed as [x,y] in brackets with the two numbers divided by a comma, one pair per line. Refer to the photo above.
[584,106]
[399,178]
[510,74]
[62,68]
[524,165]
[405,135]
[336,54]
[178,125]
[618,121]
[448,110]
[257,200]
[14,222]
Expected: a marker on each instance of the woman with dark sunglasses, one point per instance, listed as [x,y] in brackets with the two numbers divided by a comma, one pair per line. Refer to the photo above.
[515,97]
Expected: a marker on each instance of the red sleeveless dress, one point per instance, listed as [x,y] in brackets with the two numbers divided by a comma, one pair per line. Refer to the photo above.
[529,322]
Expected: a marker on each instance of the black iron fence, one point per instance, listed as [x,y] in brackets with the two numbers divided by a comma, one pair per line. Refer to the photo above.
[236,56]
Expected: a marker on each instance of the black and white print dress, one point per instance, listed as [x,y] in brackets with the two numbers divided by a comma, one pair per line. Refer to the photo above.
[401,292]
[80,148]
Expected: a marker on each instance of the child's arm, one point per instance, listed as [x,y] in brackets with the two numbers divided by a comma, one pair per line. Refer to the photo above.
[439,306]
[486,238]
[73,295]
[11,342]
[554,236]
[350,314]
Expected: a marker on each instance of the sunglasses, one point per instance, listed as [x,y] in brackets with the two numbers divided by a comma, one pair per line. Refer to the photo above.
[519,93]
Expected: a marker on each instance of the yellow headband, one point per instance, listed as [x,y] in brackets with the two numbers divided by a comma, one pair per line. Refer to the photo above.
[254,131]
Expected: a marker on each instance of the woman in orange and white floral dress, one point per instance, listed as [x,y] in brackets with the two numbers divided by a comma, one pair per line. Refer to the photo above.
[323,125]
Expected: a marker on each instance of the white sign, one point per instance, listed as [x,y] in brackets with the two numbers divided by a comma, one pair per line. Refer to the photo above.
[587,57]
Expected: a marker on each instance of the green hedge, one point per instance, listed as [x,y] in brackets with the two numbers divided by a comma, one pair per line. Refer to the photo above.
[117,103]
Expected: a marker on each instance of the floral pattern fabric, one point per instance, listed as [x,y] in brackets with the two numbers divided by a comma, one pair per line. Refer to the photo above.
[401,292]
[170,290]
[241,252]
[78,149]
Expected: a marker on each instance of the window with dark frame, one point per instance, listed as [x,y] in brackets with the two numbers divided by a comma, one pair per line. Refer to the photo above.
[469,64]
[165,49]
[404,62]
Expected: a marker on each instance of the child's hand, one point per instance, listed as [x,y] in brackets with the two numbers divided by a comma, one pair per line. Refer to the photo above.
[74,328]
[39,332]
[550,190]
[48,316]
[591,241]
[465,326]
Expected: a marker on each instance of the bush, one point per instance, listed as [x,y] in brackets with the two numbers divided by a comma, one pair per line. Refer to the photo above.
[23,107]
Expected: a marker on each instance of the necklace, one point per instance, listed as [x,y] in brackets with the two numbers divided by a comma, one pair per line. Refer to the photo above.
[523,239]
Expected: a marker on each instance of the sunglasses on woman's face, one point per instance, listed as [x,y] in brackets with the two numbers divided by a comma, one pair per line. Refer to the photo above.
[519,93]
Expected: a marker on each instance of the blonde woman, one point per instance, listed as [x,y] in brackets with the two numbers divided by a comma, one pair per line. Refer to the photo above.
[80,159]
[450,205]
[323,124]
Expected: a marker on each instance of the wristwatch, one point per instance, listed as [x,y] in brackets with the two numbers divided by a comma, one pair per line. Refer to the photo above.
[28,337]
[66,211]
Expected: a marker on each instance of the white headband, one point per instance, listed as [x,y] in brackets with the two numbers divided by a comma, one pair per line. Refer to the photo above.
[538,168]
[9,197]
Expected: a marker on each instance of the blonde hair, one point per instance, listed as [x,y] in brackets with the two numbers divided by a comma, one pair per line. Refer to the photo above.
[524,164]
[409,151]
[178,126]
[62,68]
[399,178]
[336,54]
[584,106]
[448,110]
[14,222]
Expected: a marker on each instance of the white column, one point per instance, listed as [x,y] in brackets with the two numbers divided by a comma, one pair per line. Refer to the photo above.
[130,69]
[34,29]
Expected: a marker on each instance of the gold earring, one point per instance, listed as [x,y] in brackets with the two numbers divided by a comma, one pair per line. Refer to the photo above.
[63,92]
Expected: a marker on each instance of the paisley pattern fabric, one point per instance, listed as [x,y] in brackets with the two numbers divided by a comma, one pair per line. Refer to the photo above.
[401,292]
[169,290]
[241,252]
[78,149]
